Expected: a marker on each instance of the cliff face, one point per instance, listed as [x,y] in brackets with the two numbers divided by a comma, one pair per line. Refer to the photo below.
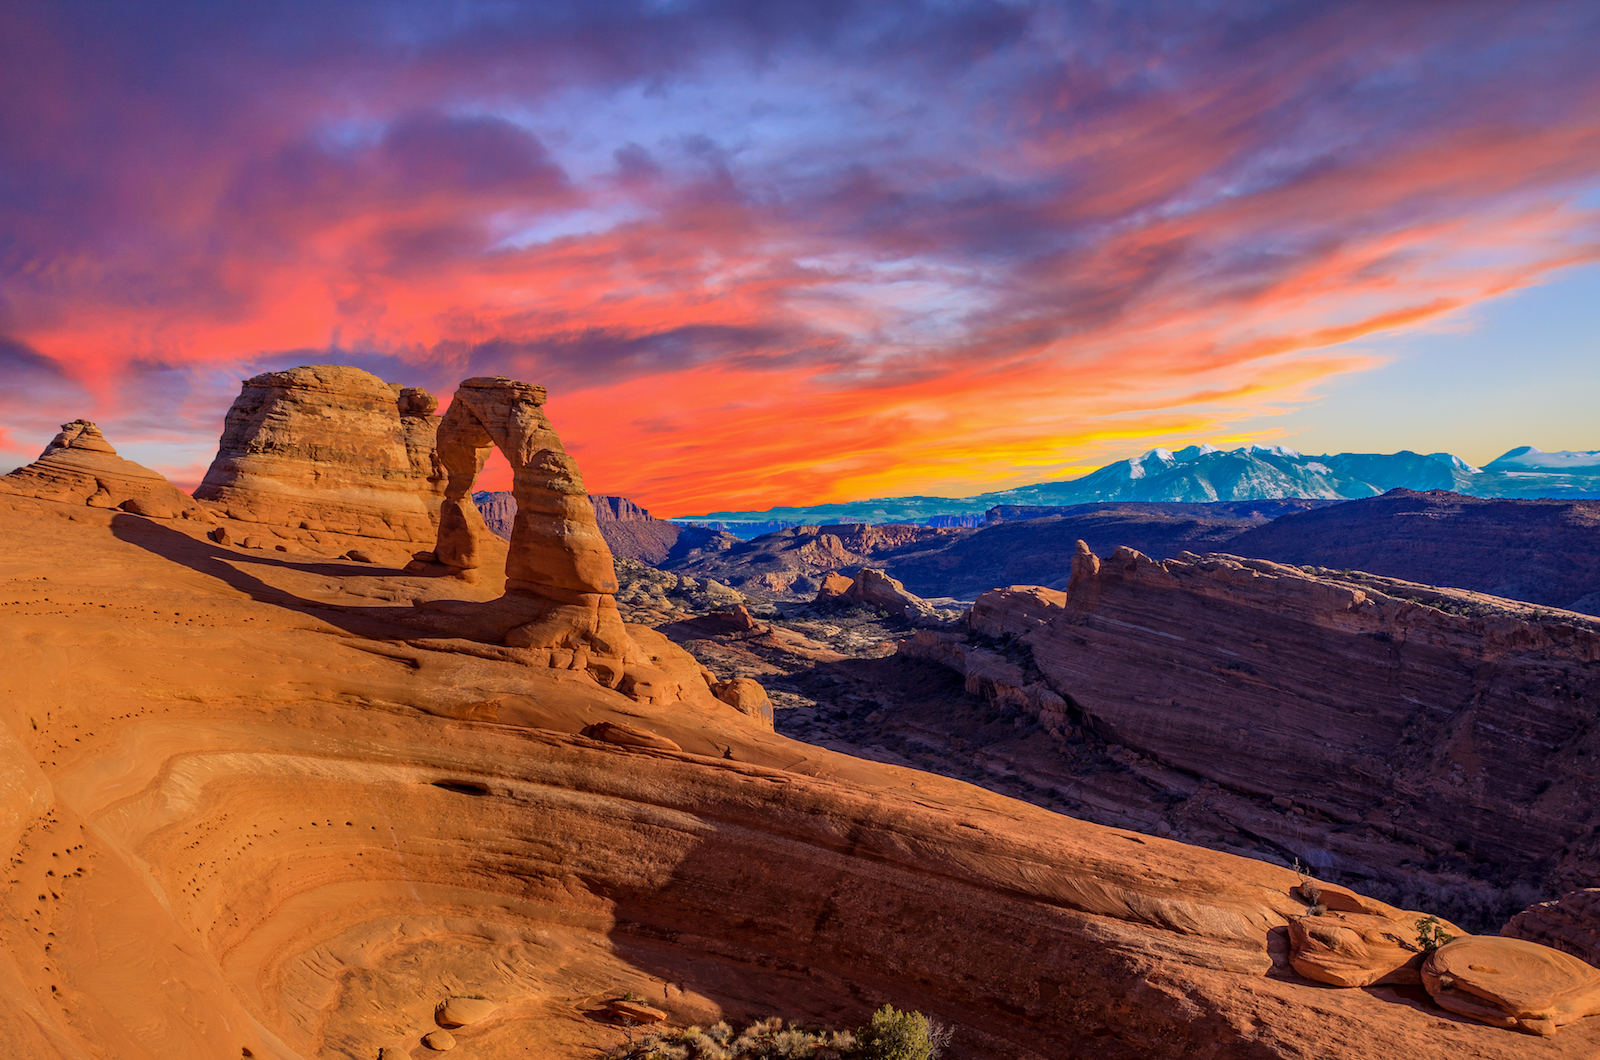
[1454,728]
[329,449]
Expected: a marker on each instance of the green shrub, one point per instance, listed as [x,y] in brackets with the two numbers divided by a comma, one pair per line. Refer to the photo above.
[1431,934]
[896,1035]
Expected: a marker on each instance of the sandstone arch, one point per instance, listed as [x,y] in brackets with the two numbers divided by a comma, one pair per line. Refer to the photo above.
[560,577]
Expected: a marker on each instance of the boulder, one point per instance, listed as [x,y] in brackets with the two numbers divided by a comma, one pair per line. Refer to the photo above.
[1355,949]
[1570,924]
[439,1041]
[80,467]
[329,448]
[461,1011]
[834,585]
[747,697]
[1512,983]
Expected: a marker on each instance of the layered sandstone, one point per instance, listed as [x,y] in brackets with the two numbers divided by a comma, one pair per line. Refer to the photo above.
[561,581]
[872,588]
[1383,727]
[1570,924]
[329,449]
[80,467]
[250,809]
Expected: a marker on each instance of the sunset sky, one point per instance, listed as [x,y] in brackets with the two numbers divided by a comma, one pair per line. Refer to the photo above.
[786,253]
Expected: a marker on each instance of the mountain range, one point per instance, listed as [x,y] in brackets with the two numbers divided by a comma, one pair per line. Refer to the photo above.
[1205,474]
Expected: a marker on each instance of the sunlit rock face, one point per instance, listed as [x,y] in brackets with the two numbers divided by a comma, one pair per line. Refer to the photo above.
[328,448]
[80,467]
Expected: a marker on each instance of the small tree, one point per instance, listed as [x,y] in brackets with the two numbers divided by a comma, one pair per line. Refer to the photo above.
[896,1035]
[1431,934]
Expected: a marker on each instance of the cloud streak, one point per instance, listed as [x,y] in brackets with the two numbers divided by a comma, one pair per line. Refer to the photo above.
[776,253]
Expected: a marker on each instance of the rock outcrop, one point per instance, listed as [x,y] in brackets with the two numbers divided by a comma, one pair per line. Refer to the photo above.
[561,581]
[1385,727]
[80,467]
[872,588]
[1570,924]
[328,448]
[1512,983]
[792,562]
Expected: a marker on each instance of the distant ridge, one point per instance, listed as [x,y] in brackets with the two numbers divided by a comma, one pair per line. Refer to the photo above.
[1206,474]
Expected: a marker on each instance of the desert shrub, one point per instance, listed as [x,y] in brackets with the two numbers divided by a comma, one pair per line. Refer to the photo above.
[896,1035]
[892,1035]
[1431,934]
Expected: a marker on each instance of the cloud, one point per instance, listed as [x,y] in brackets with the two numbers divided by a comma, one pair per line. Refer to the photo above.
[777,252]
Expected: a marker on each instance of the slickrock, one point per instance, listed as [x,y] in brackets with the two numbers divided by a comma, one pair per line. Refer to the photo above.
[1512,983]
[80,467]
[248,809]
[1570,924]
[329,449]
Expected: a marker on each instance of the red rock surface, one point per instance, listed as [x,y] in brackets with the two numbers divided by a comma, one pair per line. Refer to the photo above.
[328,449]
[1454,734]
[80,467]
[249,807]
[1512,983]
[1570,924]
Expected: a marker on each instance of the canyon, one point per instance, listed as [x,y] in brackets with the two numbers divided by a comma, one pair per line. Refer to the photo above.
[383,782]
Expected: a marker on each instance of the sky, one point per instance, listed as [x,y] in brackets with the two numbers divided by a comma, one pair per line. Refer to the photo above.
[787,253]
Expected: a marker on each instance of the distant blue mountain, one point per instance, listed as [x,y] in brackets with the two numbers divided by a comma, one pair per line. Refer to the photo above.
[1203,473]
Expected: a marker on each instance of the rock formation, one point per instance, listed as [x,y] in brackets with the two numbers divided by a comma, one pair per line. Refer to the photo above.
[328,448]
[1392,727]
[560,578]
[80,467]
[1570,924]
[1512,983]
[872,588]
[792,562]
[252,811]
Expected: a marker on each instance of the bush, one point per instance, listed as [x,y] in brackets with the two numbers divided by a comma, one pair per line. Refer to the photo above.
[892,1035]
[896,1035]
[1431,934]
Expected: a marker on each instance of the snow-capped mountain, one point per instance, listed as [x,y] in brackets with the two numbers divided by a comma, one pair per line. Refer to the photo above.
[1204,473]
